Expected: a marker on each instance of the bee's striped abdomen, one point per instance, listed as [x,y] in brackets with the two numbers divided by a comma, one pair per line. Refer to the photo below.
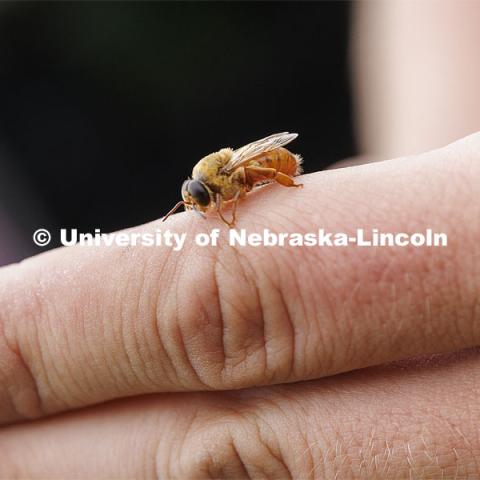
[283,161]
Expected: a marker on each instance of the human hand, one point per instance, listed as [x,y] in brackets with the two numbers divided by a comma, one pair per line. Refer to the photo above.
[217,332]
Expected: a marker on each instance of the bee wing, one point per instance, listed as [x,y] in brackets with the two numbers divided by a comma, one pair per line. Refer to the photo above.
[254,149]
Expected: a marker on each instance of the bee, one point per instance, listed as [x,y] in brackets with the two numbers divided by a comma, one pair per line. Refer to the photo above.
[226,176]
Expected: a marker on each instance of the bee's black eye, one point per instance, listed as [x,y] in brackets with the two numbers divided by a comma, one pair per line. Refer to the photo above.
[185,188]
[199,192]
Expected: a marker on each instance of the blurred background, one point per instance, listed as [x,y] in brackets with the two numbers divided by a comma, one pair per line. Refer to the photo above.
[106,107]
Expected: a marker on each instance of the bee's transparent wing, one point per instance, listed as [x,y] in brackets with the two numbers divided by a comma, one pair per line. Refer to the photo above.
[254,149]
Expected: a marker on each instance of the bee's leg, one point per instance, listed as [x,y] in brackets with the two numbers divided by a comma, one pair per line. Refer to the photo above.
[218,203]
[286,181]
[234,207]
[255,174]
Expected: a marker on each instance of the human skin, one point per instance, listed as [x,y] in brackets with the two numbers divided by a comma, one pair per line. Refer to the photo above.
[81,326]
[263,362]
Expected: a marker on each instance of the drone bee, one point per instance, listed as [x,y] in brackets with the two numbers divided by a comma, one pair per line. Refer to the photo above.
[226,176]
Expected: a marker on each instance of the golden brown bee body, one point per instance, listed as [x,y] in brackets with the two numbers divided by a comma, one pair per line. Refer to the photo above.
[280,159]
[227,175]
[209,171]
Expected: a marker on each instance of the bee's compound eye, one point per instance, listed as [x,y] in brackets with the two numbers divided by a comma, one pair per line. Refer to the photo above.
[185,189]
[199,192]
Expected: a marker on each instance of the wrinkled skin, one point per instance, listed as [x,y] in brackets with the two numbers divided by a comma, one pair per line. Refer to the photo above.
[270,362]
[84,325]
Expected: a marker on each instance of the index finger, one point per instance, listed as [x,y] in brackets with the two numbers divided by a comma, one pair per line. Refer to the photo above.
[84,325]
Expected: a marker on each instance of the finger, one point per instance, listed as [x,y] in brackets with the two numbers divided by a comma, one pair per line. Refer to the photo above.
[412,420]
[84,325]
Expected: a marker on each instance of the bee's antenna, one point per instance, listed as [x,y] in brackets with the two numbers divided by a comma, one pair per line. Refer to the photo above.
[173,210]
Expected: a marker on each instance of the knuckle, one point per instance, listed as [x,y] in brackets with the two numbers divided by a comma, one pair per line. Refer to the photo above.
[23,399]
[22,378]
[269,441]
[233,446]
[235,330]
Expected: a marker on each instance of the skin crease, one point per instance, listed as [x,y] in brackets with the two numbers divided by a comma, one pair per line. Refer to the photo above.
[84,333]
[255,320]
[397,421]
[69,341]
